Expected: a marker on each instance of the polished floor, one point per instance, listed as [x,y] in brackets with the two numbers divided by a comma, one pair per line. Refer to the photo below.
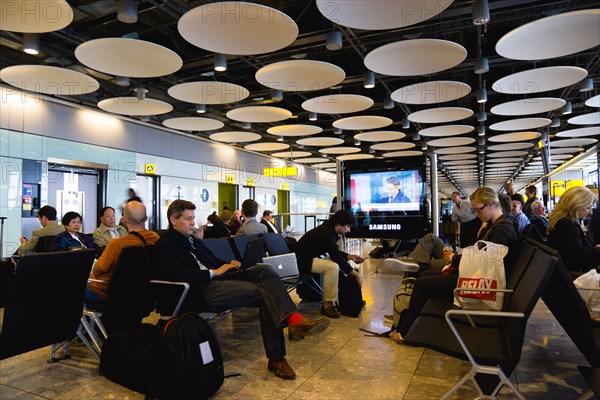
[341,363]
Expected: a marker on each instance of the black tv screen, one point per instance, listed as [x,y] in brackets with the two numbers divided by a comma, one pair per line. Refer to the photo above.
[387,197]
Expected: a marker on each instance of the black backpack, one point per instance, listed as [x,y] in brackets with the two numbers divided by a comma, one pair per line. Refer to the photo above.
[350,300]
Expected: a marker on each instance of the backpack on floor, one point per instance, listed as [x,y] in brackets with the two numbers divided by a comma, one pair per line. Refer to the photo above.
[191,365]
[402,298]
[350,300]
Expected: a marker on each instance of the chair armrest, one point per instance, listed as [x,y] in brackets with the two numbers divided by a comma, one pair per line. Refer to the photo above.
[96,280]
[185,289]
[460,303]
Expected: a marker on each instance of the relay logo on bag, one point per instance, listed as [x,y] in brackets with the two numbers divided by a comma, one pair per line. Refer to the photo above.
[478,283]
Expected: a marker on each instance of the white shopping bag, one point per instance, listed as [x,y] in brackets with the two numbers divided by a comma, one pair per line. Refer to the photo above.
[589,280]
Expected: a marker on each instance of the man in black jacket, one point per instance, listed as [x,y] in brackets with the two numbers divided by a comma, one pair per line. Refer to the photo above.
[318,252]
[186,258]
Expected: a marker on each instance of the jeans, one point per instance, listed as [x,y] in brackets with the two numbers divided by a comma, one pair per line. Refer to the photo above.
[92,297]
[430,251]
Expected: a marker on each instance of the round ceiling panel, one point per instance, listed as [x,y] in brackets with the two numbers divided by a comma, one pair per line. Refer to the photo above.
[379,136]
[208,92]
[339,150]
[586,119]
[235,137]
[528,106]
[455,150]
[325,165]
[267,146]
[460,162]
[133,106]
[581,132]
[455,157]
[362,122]
[565,150]
[593,101]
[294,130]
[539,80]
[311,160]
[49,80]
[415,57]
[239,28]
[258,114]
[520,124]
[292,154]
[510,146]
[320,141]
[431,92]
[35,17]
[514,137]
[380,14]
[300,75]
[337,104]
[558,157]
[193,124]
[555,36]
[408,153]
[506,160]
[355,157]
[393,146]
[573,142]
[440,115]
[446,130]
[128,57]
[505,154]
[459,141]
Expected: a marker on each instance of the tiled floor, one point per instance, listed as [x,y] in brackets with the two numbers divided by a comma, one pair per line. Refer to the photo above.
[341,363]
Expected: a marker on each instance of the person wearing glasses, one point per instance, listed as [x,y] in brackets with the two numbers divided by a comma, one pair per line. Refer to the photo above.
[499,229]
[578,252]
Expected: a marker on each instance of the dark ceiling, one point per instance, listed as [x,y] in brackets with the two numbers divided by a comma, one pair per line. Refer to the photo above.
[157,22]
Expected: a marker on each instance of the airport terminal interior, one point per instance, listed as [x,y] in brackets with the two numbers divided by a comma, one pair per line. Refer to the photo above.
[293,103]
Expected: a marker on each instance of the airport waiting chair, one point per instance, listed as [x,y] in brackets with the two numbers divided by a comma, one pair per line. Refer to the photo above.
[221,248]
[391,252]
[55,281]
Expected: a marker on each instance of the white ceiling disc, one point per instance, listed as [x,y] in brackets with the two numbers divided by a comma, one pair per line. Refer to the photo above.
[407,153]
[294,130]
[339,150]
[193,124]
[539,80]
[338,104]
[528,106]
[455,150]
[320,141]
[300,75]
[580,132]
[459,141]
[292,154]
[573,142]
[593,101]
[311,160]
[506,160]
[128,57]
[380,14]
[454,157]
[35,17]
[325,165]
[208,92]
[440,115]
[565,150]
[362,122]
[520,124]
[504,154]
[431,92]
[561,157]
[49,80]
[133,106]
[449,163]
[238,28]
[415,57]
[514,137]
[446,130]
[379,136]
[510,146]
[258,114]
[585,119]
[235,137]
[267,146]
[355,157]
[504,166]
[393,146]
[555,36]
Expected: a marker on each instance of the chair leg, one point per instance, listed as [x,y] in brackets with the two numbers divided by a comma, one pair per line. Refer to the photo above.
[99,324]
[95,348]
[470,376]
[587,395]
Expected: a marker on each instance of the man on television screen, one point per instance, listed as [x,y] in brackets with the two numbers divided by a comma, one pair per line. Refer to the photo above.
[394,194]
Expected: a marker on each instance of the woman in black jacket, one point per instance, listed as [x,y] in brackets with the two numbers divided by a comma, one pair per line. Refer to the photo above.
[565,234]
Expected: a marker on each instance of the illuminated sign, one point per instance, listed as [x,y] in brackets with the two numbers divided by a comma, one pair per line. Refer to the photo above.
[230,178]
[287,171]
[150,169]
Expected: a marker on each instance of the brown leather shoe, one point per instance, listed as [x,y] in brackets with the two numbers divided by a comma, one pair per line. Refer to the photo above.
[330,311]
[281,368]
[306,328]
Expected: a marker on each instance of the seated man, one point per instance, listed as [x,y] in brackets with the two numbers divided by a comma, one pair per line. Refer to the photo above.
[430,253]
[135,218]
[267,220]
[186,258]
[107,230]
[539,219]
[251,226]
[47,217]
[393,192]
[517,211]
[318,252]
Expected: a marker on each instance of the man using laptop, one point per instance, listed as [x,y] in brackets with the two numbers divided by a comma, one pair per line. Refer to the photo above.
[185,258]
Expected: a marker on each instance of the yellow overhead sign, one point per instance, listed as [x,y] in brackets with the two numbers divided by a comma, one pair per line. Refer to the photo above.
[249,182]
[150,169]
[287,171]
[559,187]
[285,186]
[230,178]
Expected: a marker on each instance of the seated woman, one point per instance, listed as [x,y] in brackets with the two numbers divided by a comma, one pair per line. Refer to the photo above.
[220,226]
[499,229]
[577,251]
[70,238]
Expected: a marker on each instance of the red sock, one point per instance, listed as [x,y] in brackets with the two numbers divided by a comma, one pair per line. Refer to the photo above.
[294,319]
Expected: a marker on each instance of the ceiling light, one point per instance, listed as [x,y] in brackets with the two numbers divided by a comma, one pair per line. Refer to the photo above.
[566,109]
[424,146]
[482,96]
[416,136]
[405,123]
[220,61]
[127,11]
[201,108]
[333,40]
[337,131]
[586,85]
[277,95]
[31,43]
[246,125]
[481,141]
[312,116]
[371,151]
[480,10]
[122,81]
[280,138]
[482,116]
[356,142]
[481,66]
[369,80]
[555,123]
[481,130]
[388,103]
[141,92]
[145,118]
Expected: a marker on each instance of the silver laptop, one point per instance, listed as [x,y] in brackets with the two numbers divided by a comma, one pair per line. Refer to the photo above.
[285,265]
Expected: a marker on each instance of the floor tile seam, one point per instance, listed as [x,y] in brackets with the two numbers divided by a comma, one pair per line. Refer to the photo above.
[25,391]
[413,373]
